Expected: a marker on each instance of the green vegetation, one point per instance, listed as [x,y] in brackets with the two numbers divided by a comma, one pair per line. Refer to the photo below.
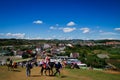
[91,75]
[87,54]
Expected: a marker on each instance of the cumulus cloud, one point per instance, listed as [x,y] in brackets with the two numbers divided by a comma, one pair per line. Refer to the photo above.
[38,22]
[67,29]
[85,30]
[71,23]
[53,28]
[16,35]
[117,29]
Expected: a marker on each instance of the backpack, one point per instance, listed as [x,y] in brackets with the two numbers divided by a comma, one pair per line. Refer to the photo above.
[30,66]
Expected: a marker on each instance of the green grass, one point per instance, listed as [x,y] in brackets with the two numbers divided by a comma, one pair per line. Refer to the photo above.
[21,60]
[93,75]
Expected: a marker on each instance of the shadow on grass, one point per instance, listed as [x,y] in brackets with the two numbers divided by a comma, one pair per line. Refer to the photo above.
[42,75]
[35,76]
[63,76]
[16,70]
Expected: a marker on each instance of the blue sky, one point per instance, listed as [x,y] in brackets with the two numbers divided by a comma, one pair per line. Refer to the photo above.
[60,19]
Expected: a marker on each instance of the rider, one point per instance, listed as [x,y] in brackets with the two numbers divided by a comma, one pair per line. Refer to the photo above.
[47,59]
[45,64]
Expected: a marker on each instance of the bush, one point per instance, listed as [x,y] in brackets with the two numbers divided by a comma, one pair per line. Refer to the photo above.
[94,61]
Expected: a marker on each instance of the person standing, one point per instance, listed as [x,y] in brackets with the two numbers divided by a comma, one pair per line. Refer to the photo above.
[57,66]
[28,69]
[11,62]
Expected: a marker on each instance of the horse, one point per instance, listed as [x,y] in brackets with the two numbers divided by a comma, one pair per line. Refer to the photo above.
[47,67]
[11,66]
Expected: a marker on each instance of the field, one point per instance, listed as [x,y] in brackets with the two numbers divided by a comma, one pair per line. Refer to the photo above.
[66,74]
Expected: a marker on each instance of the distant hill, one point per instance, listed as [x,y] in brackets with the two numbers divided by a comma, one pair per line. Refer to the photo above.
[6,42]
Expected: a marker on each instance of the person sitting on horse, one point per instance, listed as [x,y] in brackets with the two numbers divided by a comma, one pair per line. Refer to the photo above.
[47,59]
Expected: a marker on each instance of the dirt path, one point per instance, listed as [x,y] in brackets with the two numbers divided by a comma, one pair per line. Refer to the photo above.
[35,75]
[111,72]
[20,74]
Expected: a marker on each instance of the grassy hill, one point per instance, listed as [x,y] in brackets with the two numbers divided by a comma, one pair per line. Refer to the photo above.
[66,74]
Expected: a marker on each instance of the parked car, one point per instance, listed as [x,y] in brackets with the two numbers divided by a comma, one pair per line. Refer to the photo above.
[73,61]
[76,61]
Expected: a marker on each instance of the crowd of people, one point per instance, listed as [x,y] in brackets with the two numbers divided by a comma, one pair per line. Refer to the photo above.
[45,65]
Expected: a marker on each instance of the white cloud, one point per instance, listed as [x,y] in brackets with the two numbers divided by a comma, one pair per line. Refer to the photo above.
[71,23]
[117,29]
[108,33]
[57,24]
[100,31]
[16,35]
[38,22]
[36,38]
[53,28]
[85,30]
[67,29]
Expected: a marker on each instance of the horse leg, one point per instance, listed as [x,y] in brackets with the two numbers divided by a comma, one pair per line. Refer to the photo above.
[52,71]
[12,67]
[8,67]
[49,72]
[45,72]
[42,69]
